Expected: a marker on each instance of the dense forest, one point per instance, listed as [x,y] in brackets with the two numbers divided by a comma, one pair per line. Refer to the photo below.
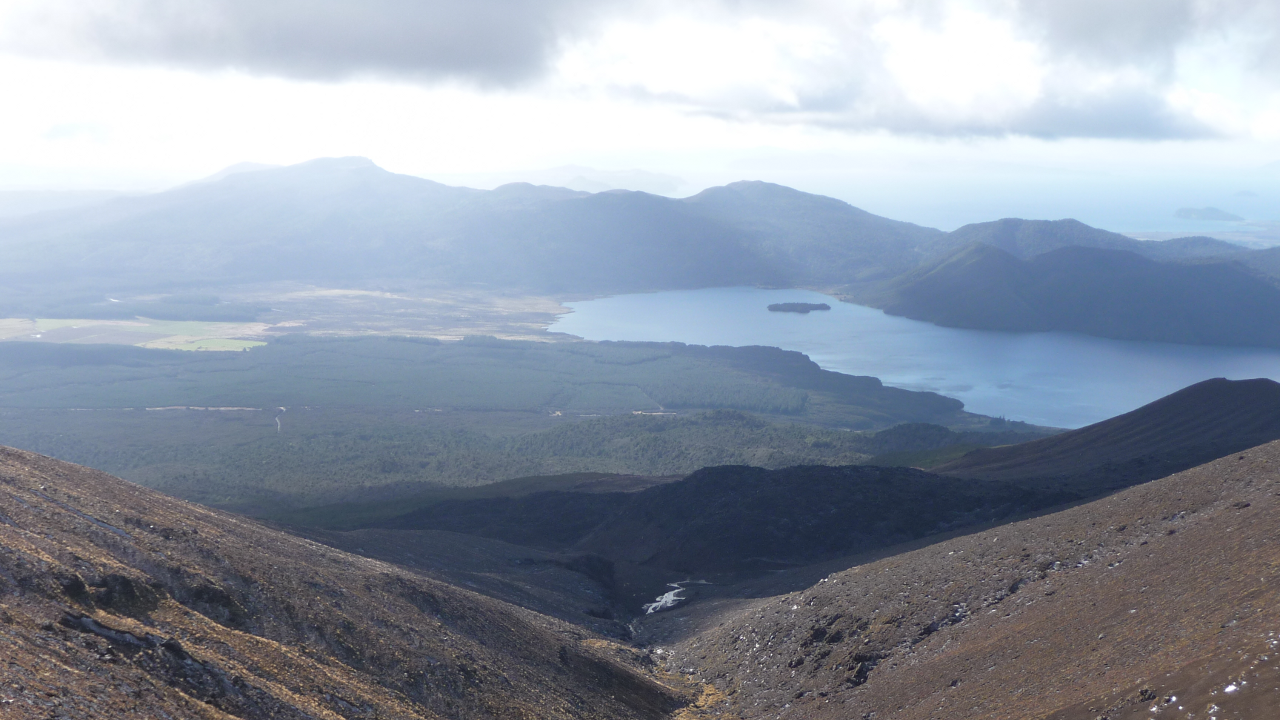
[304,421]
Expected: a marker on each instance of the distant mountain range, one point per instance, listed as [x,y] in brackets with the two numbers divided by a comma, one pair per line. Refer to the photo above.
[346,221]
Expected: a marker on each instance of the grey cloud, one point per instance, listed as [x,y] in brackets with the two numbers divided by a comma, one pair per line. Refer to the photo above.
[514,42]
[1150,33]
[1133,112]
[492,42]
[1124,114]
[1086,44]
[1133,116]
[1111,32]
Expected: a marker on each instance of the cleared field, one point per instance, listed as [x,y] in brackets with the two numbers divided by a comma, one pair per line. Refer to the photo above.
[141,332]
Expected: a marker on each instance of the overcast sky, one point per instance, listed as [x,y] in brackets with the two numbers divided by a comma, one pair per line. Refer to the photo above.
[1117,112]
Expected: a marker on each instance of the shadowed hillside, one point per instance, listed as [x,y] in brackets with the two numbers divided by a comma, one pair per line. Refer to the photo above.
[726,523]
[119,602]
[1197,424]
[1108,293]
[1265,261]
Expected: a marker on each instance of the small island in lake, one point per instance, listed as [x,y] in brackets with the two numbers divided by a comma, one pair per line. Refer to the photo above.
[802,308]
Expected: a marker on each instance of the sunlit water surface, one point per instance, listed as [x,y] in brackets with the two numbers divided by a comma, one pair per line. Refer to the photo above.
[1058,379]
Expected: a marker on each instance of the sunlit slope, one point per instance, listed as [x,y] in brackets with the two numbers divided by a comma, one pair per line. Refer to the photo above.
[120,602]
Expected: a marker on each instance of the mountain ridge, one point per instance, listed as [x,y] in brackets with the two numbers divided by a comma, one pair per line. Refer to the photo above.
[347,222]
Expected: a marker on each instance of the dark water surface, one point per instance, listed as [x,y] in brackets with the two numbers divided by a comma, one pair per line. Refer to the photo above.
[1058,379]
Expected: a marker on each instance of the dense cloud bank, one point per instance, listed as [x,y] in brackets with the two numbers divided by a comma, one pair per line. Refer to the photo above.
[934,67]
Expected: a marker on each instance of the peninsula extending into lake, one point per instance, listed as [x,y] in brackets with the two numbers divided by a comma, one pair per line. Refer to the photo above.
[798,307]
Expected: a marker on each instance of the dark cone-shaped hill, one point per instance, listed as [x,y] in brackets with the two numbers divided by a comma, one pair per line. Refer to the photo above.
[1197,424]
[726,523]
[744,519]
[1159,601]
[119,602]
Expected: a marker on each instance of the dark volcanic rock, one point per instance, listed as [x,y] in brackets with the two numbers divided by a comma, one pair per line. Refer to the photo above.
[735,521]
[1197,424]
[743,519]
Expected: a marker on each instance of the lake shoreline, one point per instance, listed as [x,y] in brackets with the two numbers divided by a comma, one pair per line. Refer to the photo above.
[1049,378]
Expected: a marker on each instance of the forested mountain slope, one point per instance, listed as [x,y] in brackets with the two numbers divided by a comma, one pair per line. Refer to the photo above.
[1108,293]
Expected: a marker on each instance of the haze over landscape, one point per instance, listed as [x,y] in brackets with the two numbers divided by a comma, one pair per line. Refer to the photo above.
[639,360]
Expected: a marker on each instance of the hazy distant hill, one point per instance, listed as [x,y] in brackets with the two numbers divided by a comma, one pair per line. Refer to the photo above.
[1265,261]
[345,221]
[1028,238]
[819,240]
[1109,293]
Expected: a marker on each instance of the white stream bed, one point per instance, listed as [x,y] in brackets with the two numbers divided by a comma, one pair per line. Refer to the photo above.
[668,600]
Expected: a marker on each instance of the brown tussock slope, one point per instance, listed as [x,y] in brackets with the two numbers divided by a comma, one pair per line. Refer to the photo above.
[1166,590]
[116,601]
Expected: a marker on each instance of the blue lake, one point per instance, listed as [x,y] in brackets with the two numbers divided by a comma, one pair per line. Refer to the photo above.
[1058,379]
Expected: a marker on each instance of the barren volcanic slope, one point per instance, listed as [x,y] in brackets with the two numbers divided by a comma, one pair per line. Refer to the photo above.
[1159,601]
[118,602]
[1197,424]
